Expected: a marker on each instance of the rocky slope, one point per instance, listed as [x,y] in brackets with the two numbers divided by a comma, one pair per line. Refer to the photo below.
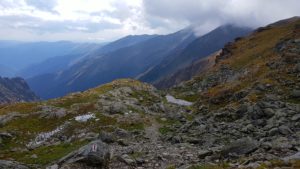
[244,112]
[188,72]
[15,90]
[249,99]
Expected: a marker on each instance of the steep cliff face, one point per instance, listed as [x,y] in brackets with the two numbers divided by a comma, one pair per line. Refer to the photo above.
[14,90]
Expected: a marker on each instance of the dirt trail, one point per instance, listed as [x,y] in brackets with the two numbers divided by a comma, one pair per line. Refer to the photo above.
[152,132]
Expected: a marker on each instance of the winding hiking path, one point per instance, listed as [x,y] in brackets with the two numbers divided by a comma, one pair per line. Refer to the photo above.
[152,132]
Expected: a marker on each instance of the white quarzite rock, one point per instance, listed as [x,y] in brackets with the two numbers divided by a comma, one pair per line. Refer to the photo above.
[84,118]
[172,99]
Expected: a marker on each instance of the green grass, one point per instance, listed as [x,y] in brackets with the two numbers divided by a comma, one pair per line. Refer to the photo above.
[164,130]
[136,155]
[47,155]
[166,125]
[68,101]
[20,108]
[208,166]
[131,126]
[147,98]
[171,167]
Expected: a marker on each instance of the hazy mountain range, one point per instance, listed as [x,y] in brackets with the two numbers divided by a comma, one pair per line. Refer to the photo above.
[22,56]
[150,58]
[54,69]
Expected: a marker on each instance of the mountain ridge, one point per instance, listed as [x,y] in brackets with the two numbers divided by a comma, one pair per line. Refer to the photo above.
[122,63]
[199,48]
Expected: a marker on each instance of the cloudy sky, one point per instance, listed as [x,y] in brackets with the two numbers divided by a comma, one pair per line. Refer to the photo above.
[106,20]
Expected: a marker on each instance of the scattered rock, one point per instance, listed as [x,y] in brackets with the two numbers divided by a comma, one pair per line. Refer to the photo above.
[8,117]
[297,68]
[284,130]
[11,165]
[5,135]
[117,108]
[34,156]
[55,166]
[281,143]
[240,147]
[50,112]
[292,157]
[106,137]
[122,142]
[126,159]
[273,131]
[204,153]
[269,112]
[296,117]
[295,94]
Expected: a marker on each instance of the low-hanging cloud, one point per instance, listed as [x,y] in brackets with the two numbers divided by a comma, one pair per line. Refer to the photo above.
[211,13]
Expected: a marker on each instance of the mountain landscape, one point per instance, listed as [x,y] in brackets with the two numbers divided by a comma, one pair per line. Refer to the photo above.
[145,57]
[124,62]
[230,99]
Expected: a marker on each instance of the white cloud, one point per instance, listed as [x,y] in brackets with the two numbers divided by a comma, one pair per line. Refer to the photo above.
[105,20]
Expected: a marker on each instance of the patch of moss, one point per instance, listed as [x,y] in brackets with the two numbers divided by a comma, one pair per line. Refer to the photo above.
[68,101]
[167,121]
[189,117]
[171,167]
[135,110]
[136,155]
[130,126]
[164,130]
[208,166]
[144,97]
[190,98]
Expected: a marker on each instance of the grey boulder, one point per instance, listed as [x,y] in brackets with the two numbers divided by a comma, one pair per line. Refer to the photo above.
[95,154]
